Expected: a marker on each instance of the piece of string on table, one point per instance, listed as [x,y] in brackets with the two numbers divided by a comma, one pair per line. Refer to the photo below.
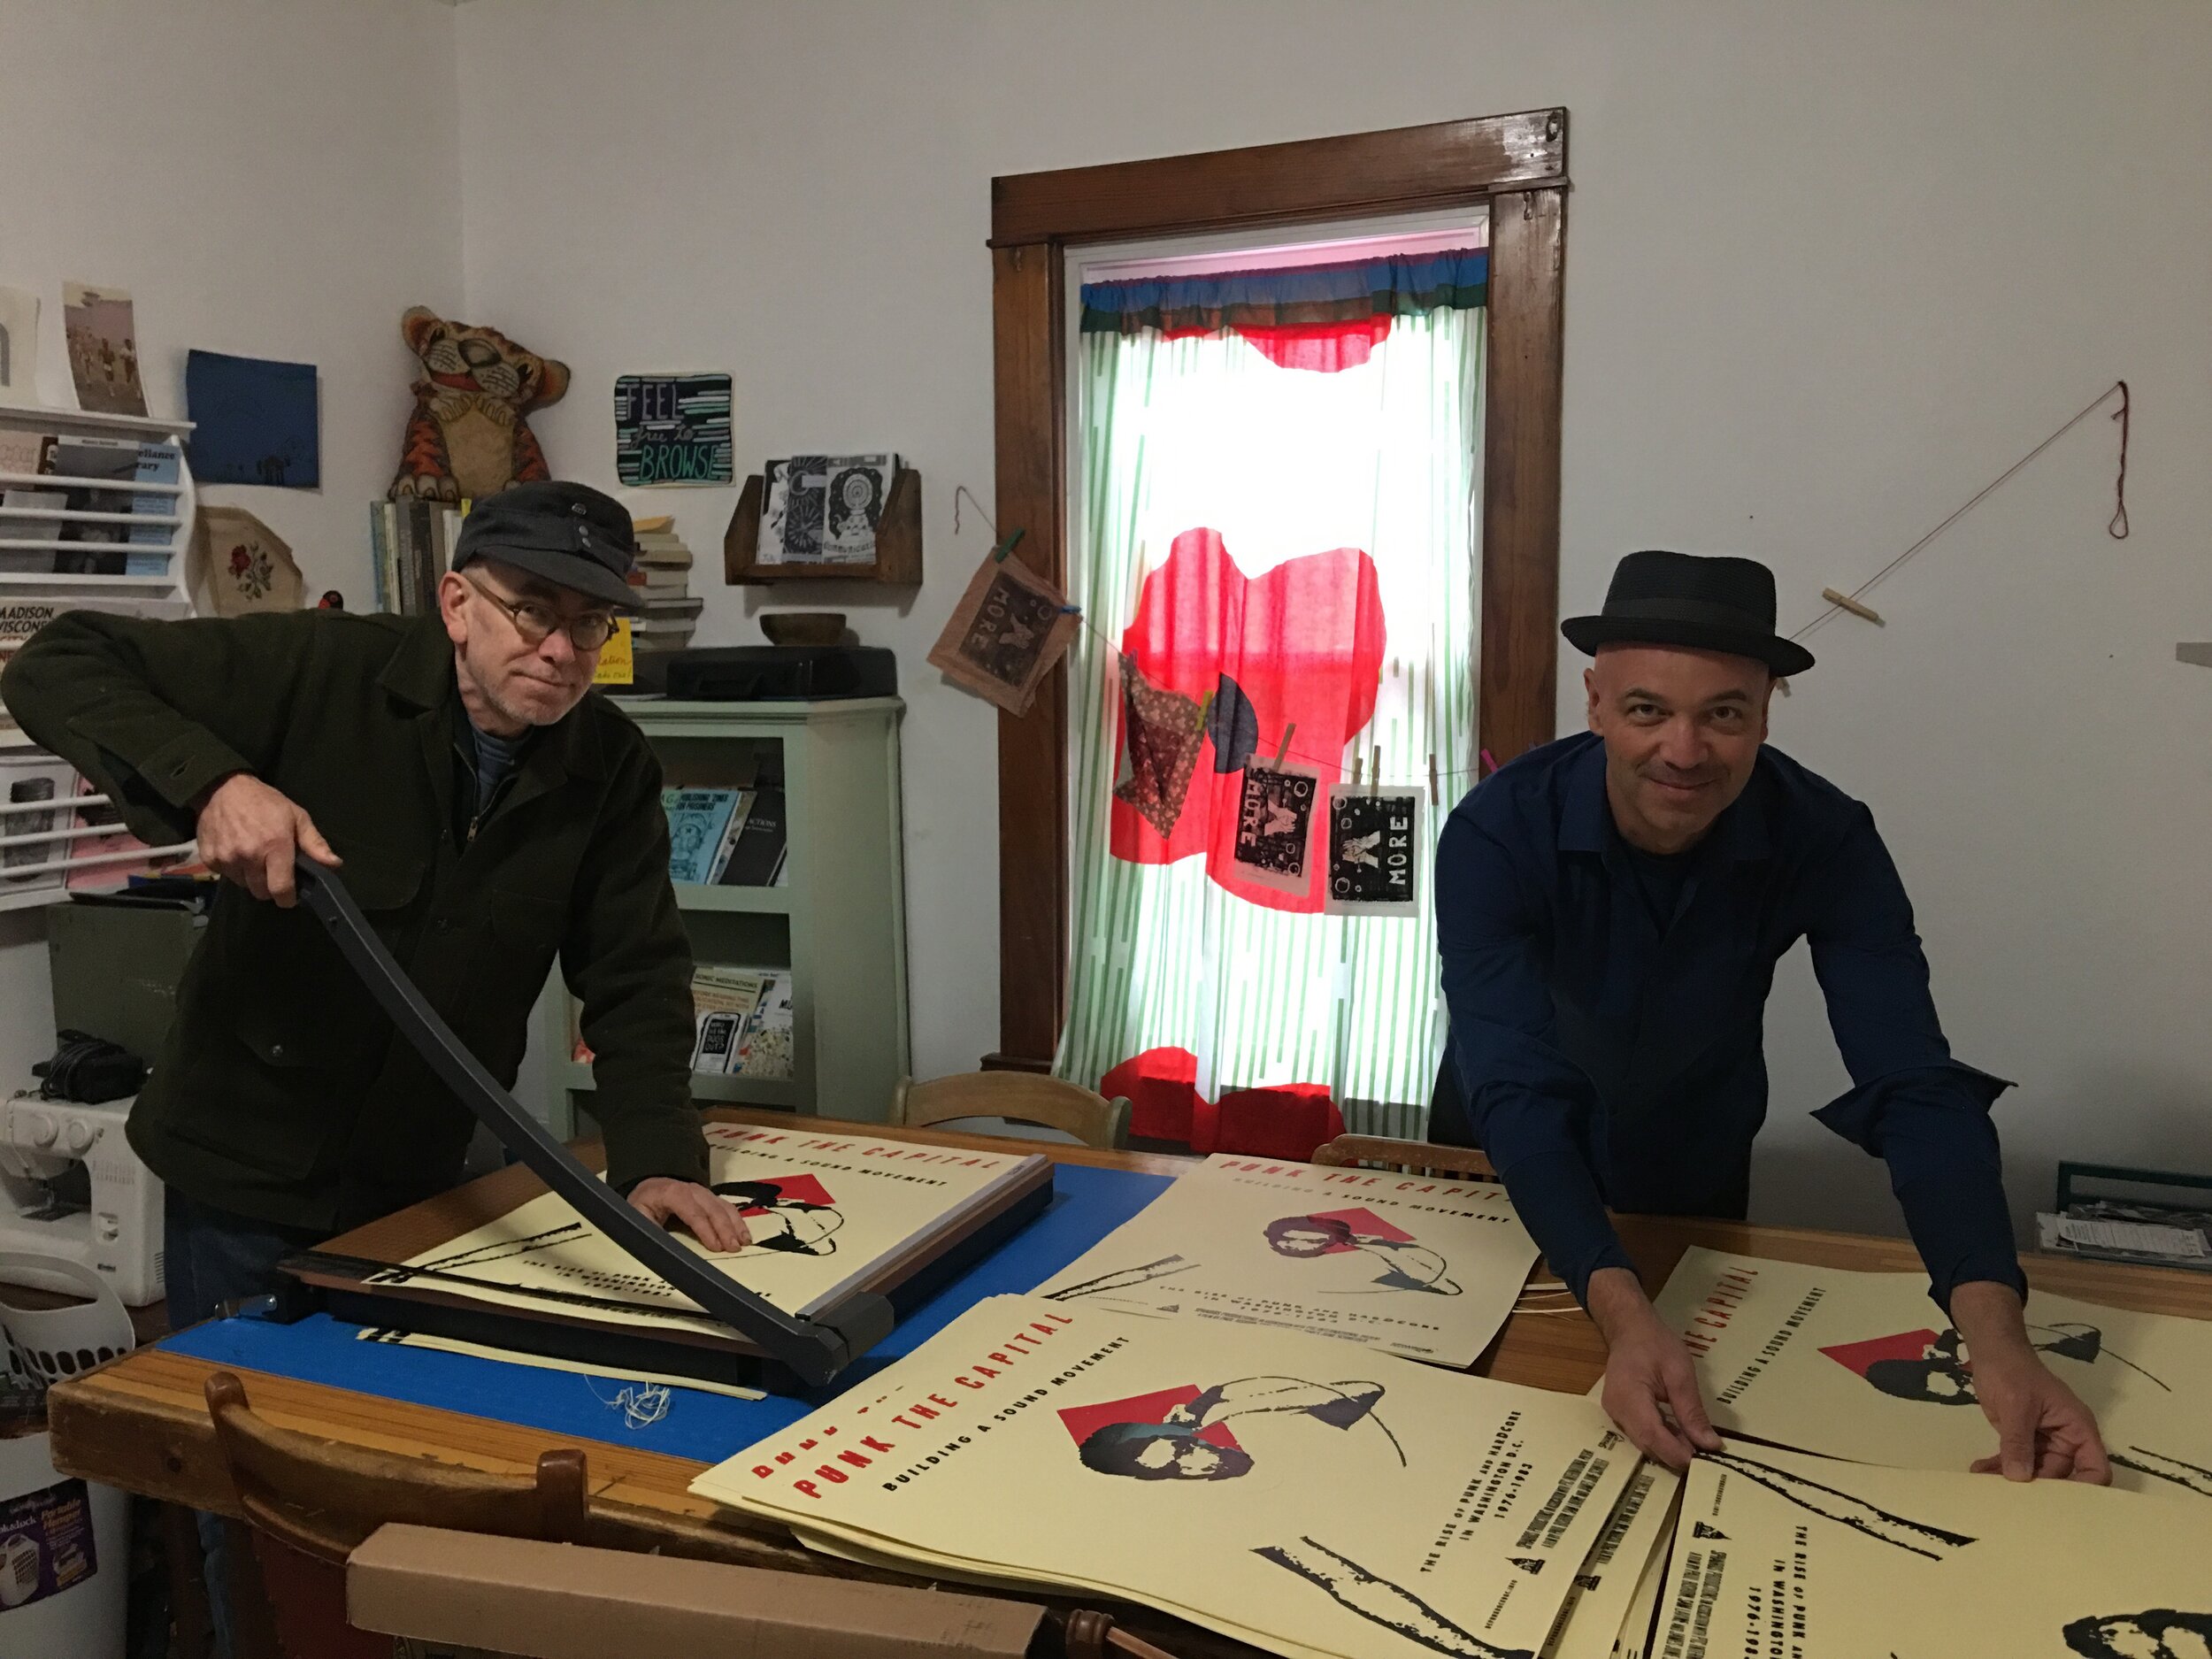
[2116,528]
[641,1404]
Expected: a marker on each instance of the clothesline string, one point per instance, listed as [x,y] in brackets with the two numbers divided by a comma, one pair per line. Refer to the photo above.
[2116,528]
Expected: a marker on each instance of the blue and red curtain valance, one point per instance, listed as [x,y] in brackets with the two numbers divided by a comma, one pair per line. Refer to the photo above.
[1320,317]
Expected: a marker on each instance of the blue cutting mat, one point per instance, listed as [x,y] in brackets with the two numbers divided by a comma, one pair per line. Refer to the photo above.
[1086,1205]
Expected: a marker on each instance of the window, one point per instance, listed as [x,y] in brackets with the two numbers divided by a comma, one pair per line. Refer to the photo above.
[1274,521]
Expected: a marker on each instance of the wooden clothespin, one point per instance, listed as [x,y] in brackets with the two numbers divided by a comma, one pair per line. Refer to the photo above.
[1374,772]
[1282,752]
[1489,763]
[1847,602]
[1434,800]
[1355,760]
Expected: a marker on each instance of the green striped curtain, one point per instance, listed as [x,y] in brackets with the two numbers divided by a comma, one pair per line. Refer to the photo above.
[1177,434]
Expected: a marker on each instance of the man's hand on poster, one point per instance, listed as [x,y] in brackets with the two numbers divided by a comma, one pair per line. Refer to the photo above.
[247,834]
[2044,1432]
[690,1206]
[1648,1377]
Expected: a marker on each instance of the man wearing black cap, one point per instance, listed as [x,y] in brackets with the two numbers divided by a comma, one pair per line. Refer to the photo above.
[1609,909]
[488,816]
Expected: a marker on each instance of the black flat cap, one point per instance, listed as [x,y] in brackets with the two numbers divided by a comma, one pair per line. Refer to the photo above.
[1708,604]
[570,534]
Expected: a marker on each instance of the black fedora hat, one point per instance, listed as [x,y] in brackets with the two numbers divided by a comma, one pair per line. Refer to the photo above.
[1708,604]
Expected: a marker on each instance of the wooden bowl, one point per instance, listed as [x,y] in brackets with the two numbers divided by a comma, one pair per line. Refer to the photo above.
[803,627]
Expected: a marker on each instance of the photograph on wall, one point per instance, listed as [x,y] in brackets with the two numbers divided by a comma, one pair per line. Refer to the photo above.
[1417,1265]
[254,421]
[1863,1365]
[103,357]
[1280,1487]
[19,347]
[1375,852]
[1002,638]
[1780,1553]
[672,429]
[820,1209]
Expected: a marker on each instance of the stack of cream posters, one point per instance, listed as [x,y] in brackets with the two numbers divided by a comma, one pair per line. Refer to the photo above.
[1784,1556]
[1278,1486]
[823,1210]
[1862,1365]
[1415,1265]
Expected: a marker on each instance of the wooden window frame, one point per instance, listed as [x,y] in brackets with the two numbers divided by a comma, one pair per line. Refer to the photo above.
[1035,216]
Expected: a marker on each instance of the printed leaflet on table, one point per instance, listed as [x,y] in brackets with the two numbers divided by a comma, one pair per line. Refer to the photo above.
[1273,1485]
[1422,1267]
[1863,1365]
[1776,1553]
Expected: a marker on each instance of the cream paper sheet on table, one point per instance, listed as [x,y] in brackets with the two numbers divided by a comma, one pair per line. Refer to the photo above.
[1412,1265]
[1270,1484]
[1591,1618]
[1634,1641]
[821,1208]
[1863,1365]
[546,1361]
[1780,1554]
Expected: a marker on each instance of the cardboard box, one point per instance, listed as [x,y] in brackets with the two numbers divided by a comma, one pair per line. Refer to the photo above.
[563,1601]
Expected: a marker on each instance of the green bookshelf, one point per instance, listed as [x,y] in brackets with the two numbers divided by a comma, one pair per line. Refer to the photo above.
[837,919]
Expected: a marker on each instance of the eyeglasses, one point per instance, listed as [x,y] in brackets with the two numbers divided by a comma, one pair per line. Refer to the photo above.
[534,621]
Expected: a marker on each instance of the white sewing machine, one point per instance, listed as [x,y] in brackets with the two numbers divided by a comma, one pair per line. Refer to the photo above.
[118,1236]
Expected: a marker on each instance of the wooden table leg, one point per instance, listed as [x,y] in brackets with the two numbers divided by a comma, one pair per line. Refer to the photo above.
[191,1627]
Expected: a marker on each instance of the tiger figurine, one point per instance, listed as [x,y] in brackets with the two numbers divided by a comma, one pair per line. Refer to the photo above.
[468,437]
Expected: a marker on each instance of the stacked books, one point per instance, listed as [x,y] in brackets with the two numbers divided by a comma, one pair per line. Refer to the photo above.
[743,1018]
[49,472]
[410,545]
[732,837]
[662,579]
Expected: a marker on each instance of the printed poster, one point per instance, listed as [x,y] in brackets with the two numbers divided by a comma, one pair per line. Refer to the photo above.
[1273,844]
[1279,1487]
[1600,1605]
[672,429]
[18,352]
[1863,1365]
[1777,1554]
[103,357]
[1412,1265]
[821,1208]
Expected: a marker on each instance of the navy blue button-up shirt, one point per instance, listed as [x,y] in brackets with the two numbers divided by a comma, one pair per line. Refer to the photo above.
[1605,1058]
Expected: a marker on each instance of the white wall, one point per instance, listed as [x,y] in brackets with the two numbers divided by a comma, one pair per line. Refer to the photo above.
[269,179]
[1830,269]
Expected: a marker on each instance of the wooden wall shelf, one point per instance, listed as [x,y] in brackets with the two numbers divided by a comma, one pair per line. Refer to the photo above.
[898,561]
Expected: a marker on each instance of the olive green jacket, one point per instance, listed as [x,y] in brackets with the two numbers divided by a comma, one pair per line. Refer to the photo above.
[284,1093]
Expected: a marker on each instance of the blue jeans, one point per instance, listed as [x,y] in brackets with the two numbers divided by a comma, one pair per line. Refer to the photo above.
[211,1256]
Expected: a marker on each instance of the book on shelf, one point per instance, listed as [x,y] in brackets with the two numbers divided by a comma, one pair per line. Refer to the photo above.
[697,821]
[757,856]
[411,546]
[723,1000]
[764,1050]
[742,810]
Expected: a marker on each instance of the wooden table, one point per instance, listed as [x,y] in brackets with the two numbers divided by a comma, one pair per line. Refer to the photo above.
[139,1421]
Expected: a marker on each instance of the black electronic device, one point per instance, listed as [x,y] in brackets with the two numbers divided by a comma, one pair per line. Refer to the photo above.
[782,673]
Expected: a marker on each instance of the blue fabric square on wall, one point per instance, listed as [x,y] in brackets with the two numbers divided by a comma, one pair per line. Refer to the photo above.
[254,421]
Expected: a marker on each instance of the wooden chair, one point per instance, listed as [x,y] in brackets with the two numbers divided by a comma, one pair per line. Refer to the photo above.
[1020,1097]
[1415,1157]
[309,1502]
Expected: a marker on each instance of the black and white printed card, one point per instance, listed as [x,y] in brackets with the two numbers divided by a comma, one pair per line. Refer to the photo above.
[1276,807]
[1375,852]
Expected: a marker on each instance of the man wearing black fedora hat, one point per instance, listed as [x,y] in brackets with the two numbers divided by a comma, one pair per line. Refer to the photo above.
[1609,910]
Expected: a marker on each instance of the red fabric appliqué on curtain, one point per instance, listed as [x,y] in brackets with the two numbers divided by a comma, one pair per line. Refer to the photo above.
[1320,348]
[1302,644]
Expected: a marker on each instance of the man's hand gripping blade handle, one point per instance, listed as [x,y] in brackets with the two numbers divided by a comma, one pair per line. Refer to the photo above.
[816,1349]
